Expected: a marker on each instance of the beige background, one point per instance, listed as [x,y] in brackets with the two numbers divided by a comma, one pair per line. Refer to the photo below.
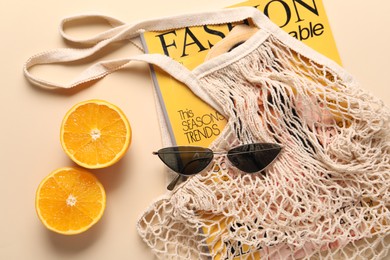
[31,117]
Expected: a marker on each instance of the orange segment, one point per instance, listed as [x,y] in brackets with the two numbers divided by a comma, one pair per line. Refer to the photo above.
[69,201]
[95,134]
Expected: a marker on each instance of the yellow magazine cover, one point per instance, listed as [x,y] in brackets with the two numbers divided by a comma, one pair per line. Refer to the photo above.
[191,121]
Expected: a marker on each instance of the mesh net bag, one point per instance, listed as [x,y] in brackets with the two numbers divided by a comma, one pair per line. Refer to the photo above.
[327,194]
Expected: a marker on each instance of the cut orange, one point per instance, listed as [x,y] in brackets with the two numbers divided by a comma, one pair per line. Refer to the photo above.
[95,134]
[70,200]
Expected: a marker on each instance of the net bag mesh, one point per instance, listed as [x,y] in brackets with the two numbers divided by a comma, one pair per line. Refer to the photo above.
[325,197]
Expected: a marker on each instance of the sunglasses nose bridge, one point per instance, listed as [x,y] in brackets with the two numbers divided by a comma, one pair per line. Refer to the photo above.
[219,154]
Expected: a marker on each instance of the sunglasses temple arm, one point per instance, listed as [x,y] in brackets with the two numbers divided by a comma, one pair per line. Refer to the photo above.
[173,183]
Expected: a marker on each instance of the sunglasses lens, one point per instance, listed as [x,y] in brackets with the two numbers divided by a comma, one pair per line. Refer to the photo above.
[252,158]
[186,160]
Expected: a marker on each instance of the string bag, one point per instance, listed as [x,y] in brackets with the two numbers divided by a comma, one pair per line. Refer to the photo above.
[327,194]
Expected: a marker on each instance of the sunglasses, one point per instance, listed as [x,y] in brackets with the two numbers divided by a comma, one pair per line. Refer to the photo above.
[190,160]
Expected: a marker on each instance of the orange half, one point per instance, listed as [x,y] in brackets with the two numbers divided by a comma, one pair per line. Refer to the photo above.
[95,134]
[70,200]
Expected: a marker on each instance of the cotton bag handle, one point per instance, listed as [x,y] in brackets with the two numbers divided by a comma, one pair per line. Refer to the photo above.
[122,31]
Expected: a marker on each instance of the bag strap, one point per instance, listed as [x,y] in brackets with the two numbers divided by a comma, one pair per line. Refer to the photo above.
[122,31]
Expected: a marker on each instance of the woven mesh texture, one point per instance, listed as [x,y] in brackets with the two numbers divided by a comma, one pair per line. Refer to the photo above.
[325,197]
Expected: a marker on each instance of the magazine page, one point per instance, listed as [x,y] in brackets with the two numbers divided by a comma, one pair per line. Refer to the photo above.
[191,121]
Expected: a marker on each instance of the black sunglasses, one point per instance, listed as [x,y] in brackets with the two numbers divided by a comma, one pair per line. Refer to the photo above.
[190,160]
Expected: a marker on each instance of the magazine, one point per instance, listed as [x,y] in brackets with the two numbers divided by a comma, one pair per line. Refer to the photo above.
[191,121]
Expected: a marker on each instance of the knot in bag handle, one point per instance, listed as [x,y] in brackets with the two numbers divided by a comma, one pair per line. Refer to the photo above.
[121,31]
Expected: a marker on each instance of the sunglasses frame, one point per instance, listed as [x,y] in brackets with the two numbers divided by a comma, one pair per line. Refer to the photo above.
[229,153]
